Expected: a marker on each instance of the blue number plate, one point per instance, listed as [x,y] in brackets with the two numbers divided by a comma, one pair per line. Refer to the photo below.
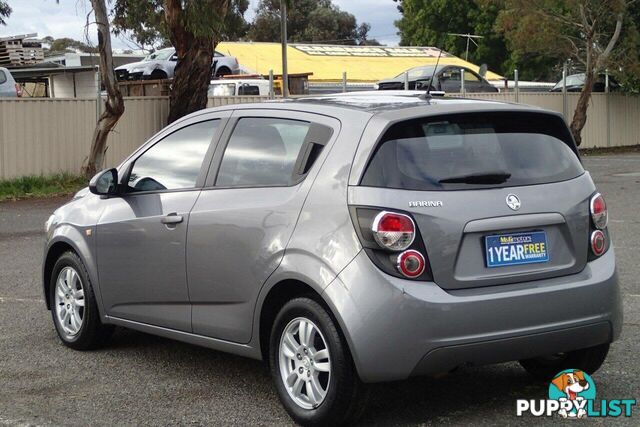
[514,249]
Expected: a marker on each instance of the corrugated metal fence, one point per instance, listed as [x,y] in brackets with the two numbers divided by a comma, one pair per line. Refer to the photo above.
[46,136]
[613,120]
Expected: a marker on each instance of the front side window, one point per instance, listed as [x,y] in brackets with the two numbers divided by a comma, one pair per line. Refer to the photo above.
[3,77]
[173,163]
[472,151]
[262,152]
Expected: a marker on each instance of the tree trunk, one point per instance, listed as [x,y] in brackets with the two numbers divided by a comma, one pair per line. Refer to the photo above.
[114,107]
[193,71]
[580,114]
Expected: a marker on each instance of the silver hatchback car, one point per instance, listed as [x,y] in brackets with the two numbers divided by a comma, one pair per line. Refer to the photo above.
[346,240]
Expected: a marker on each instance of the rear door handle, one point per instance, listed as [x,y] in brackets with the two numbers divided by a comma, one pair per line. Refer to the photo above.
[172,218]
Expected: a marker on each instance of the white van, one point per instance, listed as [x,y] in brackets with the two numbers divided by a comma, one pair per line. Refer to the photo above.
[238,87]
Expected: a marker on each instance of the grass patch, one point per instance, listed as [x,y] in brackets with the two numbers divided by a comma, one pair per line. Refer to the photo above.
[610,150]
[40,186]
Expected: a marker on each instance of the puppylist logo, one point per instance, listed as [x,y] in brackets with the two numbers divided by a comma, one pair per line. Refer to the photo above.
[572,395]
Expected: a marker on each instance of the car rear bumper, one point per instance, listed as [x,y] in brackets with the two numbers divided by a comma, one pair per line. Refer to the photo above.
[398,328]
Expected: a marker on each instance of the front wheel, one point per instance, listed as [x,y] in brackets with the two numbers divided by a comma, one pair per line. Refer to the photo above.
[312,368]
[73,305]
[588,360]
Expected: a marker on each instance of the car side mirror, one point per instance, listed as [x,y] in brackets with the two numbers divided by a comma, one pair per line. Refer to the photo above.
[173,58]
[105,183]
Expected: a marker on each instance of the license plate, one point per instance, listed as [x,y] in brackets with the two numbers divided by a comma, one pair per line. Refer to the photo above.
[515,249]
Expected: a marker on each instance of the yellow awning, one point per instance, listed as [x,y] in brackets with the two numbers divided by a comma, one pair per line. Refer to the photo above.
[327,62]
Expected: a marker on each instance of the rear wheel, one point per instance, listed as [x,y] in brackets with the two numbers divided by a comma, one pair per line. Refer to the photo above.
[588,360]
[312,368]
[73,305]
[222,71]
[157,75]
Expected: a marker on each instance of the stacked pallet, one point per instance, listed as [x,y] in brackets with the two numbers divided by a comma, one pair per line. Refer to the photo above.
[17,50]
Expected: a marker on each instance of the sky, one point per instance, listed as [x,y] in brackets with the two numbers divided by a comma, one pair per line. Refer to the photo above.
[68,19]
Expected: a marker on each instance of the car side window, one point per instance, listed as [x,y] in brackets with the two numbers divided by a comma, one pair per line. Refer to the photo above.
[470,77]
[3,77]
[262,152]
[454,75]
[174,162]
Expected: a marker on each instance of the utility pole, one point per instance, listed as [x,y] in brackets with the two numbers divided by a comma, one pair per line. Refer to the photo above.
[283,34]
[470,38]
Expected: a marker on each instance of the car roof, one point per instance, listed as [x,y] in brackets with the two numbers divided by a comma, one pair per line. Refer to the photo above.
[380,102]
[389,105]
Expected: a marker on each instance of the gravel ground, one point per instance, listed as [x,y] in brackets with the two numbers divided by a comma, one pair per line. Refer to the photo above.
[144,380]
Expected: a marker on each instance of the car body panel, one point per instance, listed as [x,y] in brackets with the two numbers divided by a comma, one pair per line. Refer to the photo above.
[455,249]
[417,318]
[237,238]
[142,260]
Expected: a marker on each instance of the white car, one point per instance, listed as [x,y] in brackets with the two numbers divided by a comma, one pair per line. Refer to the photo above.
[8,86]
[162,63]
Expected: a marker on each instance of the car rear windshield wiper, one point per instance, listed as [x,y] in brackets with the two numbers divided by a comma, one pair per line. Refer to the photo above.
[497,177]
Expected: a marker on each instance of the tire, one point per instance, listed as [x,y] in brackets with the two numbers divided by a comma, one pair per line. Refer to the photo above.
[588,360]
[89,333]
[222,71]
[158,75]
[345,395]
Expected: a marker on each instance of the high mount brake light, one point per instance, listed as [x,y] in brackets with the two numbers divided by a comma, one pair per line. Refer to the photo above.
[411,264]
[393,231]
[598,209]
[598,242]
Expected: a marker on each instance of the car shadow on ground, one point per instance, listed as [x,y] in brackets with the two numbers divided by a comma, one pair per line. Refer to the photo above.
[452,398]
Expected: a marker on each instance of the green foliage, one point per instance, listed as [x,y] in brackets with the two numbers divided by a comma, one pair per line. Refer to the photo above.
[534,36]
[68,45]
[40,186]
[429,22]
[553,31]
[308,21]
[144,21]
[5,11]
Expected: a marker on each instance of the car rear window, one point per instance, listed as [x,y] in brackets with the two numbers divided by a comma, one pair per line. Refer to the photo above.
[468,151]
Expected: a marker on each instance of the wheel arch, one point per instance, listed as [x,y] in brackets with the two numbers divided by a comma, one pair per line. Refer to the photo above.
[284,291]
[67,238]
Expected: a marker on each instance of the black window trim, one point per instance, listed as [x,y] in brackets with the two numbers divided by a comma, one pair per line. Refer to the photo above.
[296,178]
[126,167]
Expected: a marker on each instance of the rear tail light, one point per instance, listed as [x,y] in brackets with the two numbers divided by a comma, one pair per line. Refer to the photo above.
[598,242]
[599,213]
[411,264]
[392,241]
[393,231]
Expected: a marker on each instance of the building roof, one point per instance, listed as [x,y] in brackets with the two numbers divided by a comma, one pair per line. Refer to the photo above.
[328,62]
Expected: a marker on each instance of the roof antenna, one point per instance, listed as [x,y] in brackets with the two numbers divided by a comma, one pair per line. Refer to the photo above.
[427,95]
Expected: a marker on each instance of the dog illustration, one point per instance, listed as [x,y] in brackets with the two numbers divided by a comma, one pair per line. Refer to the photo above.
[571,383]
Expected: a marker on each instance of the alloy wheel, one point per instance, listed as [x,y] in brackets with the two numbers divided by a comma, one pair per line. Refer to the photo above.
[305,363]
[69,301]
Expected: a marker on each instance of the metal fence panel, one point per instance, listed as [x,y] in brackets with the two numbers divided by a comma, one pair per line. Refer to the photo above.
[47,136]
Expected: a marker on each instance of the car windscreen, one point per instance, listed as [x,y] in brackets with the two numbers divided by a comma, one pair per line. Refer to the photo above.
[573,80]
[160,55]
[418,72]
[472,151]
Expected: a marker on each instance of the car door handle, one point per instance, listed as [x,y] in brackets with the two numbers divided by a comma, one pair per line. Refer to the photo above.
[172,218]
